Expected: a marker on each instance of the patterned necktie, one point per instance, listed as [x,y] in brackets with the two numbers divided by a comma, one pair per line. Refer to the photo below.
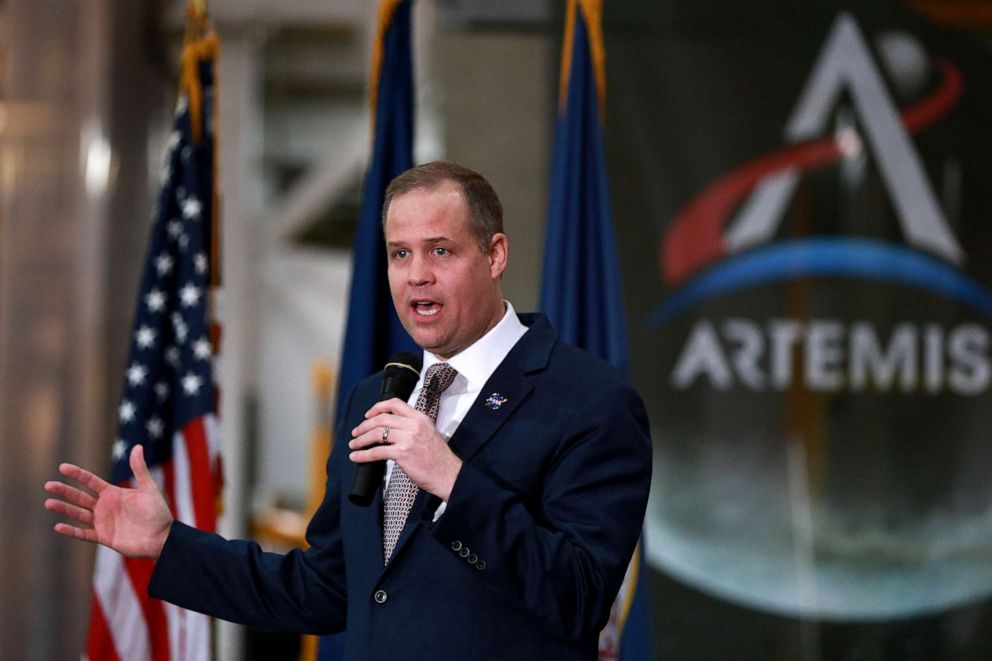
[401,491]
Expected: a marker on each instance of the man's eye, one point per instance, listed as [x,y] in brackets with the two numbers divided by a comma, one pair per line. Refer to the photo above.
[400,254]
[441,251]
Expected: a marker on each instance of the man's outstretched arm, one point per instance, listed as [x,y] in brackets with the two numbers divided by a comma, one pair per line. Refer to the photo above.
[133,522]
[233,580]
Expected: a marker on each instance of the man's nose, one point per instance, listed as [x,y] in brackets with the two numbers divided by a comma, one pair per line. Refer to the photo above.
[420,272]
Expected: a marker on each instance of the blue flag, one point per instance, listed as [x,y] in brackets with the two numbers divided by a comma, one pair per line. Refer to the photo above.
[581,290]
[374,332]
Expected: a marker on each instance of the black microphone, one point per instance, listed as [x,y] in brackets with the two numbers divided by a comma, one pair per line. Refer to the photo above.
[400,378]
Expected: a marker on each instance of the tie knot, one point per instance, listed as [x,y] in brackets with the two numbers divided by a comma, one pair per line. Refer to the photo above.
[439,376]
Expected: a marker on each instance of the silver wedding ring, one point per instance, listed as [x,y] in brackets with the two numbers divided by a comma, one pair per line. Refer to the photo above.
[385,434]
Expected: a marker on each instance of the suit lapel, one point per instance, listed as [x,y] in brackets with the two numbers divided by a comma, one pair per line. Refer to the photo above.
[508,387]
[482,422]
[510,383]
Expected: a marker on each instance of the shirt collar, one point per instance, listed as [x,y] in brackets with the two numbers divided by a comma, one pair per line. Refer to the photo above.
[477,362]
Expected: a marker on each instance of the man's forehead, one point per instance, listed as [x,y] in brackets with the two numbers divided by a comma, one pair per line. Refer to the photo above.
[446,192]
[421,209]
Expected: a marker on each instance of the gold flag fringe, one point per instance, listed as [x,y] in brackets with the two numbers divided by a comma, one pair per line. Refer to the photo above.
[593,11]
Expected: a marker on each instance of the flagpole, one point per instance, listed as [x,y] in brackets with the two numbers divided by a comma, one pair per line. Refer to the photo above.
[581,290]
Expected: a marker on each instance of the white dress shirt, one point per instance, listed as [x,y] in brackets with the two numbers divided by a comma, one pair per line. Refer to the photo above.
[475,364]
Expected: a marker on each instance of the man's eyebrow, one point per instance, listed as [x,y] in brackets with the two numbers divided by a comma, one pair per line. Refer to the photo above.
[430,239]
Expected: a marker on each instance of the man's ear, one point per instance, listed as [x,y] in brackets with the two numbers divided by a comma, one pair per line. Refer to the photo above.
[498,254]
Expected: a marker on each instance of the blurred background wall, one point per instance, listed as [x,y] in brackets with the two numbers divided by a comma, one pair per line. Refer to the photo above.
[788,522]
[83,92]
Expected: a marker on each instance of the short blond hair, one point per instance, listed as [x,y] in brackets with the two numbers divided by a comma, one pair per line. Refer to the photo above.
[485,212]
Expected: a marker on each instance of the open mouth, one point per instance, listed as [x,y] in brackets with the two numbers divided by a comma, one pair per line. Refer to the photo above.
[426,308]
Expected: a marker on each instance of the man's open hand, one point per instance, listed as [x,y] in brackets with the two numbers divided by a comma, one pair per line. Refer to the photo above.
[134,522]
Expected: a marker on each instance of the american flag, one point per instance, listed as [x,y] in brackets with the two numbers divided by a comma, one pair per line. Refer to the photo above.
[169,401]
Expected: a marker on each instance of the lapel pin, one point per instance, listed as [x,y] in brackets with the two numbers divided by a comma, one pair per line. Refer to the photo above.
[495,401]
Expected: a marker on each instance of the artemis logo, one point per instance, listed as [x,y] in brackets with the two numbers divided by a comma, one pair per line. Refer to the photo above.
[846,62]
[835,356]
[723,241]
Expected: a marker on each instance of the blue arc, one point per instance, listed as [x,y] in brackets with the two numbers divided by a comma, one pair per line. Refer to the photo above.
[826,257]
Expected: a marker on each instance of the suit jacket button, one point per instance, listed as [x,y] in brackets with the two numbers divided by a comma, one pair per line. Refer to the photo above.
[464,552]
[472,558]
[456,545]
[481,564]
[380,596]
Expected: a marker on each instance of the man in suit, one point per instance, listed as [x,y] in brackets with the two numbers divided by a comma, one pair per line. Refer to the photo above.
[516,482]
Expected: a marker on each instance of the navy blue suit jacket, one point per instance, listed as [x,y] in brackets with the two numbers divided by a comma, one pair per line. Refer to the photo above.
[523,564]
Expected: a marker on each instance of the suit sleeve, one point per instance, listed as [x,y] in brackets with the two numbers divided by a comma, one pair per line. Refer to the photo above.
[561,557]
[301,591]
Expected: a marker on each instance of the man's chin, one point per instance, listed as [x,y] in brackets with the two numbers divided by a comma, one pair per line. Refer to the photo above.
[442,350]
[426,340]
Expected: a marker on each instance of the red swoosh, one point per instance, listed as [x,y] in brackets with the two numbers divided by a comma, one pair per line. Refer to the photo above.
[695,237]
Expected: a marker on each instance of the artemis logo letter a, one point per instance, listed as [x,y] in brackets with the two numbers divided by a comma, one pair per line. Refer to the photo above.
[846,62]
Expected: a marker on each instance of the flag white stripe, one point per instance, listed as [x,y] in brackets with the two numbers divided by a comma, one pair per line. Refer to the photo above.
[174,624]
[158,475]
[183,492]
[212,426]
[197,646]
[189,632]
[121,606]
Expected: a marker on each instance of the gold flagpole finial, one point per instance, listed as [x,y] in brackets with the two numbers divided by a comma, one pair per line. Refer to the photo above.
[197,25]
[201,43]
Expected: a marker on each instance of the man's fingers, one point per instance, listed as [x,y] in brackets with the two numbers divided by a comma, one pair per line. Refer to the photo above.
[379,422]
[378,453]
[84,477]
[142,478]
[372,435]
[78,514]
[369,439]
[408,420]
[395,405]
[71,494]
[87,534]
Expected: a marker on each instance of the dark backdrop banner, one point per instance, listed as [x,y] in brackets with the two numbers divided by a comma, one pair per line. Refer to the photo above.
[811,321]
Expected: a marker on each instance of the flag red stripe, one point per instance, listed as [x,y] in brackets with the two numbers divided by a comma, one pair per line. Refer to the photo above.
[99,643]
[139,570]
[201,477]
